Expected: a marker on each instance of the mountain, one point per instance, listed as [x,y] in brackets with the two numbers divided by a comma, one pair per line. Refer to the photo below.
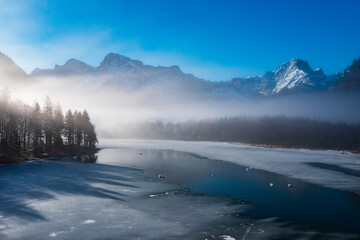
[120,64]
[295,75]
[350,79]
[9,70]
[122,72]
[117,71]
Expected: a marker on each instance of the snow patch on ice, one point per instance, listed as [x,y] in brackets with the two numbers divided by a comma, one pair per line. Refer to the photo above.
[55,234]
[89,221]
[227,237]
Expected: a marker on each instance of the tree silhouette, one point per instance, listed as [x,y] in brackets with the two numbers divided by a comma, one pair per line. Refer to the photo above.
[31,131]
[47,119]
[36,129]
[58,121]
[69,128]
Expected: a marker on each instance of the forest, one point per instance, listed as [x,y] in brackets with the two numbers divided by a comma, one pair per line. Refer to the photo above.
[36,132]
[277,131]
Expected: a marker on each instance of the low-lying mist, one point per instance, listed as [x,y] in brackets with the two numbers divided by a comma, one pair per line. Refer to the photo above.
[112,105]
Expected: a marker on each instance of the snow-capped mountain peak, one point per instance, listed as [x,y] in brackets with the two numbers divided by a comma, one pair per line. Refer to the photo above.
[291,76]
[297,74]
[296,63]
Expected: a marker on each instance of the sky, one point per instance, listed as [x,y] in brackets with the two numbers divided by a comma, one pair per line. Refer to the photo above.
[214,40]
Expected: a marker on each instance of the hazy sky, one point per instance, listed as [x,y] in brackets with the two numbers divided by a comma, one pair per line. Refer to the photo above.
[215,40]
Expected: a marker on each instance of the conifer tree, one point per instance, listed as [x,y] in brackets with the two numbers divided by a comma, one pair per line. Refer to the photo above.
[90,138]
[58,127]
[35,126]
[69,128]
[47,118]
[27,131]
[79,128]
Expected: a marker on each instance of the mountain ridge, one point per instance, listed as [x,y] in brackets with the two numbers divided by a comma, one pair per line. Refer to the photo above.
[115,70]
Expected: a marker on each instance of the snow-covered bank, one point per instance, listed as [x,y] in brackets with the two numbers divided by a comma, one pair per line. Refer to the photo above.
[326,168]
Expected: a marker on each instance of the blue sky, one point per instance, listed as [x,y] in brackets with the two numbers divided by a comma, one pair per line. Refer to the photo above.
[215,40]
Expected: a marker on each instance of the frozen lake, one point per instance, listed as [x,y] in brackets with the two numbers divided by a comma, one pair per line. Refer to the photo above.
[121,197]
[333,169]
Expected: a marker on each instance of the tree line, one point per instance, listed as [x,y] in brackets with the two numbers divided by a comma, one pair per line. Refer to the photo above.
[278,131]
[27,132]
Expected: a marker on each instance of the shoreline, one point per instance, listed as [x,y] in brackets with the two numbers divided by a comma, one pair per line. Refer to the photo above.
[58,155]
[308,149]
[342,151]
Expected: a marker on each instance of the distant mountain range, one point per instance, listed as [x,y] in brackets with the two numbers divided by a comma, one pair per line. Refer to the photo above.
[124,73]
[117,71]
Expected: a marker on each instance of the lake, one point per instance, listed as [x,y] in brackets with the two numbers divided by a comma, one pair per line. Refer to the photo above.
[303,203]
[120,196]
